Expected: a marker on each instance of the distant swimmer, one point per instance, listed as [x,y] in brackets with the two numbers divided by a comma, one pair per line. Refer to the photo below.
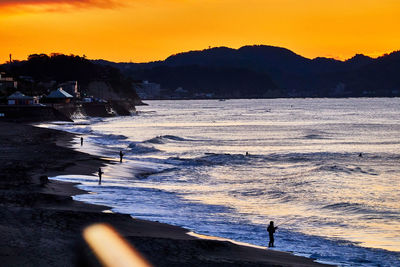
[81,141]
[360,155]
[120,156]
[271,230]
[100,173]
[247,153]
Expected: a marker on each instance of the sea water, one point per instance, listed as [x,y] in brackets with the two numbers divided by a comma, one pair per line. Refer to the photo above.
[326,171]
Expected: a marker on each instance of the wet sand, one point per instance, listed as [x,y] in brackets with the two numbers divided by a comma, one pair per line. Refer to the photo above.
[40,224]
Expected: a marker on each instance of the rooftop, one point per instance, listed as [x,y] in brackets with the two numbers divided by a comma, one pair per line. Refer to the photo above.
[19,95]
[59,93]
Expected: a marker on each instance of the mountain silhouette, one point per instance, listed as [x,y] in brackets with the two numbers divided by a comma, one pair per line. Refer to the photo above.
[256,71]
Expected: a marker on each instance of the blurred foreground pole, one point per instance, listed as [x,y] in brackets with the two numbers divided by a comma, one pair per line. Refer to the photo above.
[111,249]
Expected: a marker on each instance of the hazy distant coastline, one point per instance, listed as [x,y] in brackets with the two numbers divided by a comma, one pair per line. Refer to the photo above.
[214,73]
[264,72]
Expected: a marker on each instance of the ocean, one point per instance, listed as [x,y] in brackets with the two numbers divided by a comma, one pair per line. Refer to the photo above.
[326,171]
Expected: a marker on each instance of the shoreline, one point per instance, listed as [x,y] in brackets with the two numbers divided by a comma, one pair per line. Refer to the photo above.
[41,221]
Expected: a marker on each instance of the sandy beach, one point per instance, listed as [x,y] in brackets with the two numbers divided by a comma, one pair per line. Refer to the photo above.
[41,225]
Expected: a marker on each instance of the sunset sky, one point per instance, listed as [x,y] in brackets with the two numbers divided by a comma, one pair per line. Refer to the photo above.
[146,30]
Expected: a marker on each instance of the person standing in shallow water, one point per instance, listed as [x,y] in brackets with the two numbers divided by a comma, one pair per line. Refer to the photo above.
[120,156]
[81,141]
[100,173]
[271,230]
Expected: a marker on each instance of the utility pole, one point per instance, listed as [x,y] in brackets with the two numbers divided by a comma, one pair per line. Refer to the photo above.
[10,58]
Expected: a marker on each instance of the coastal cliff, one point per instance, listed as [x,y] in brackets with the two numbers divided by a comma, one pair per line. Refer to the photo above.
[64,112]
[31,114]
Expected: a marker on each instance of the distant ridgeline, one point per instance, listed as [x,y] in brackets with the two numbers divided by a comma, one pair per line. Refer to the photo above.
[40,73]
[266,71]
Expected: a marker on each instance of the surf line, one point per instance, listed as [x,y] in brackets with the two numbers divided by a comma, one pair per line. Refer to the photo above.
[207,237]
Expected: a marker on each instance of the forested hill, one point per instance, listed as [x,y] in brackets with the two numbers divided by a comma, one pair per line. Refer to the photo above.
[58,68]
[263,71]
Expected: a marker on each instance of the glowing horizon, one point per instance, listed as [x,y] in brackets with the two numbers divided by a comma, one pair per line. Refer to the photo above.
[150,30]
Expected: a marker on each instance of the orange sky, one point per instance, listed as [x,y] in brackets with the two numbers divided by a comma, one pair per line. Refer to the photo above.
[145,30]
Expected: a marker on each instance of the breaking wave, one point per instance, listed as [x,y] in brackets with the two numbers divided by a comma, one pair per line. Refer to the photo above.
[137,148]
[108,139]
[210,159]
[162,139]
[345,169]
[81,130]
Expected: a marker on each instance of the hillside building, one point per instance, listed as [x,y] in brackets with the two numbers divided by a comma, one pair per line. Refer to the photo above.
[7,82]
[59,96]
[19,98]
[71,87]
[147,90]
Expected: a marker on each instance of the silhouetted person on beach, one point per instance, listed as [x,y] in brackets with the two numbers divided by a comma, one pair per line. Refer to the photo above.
[360,155]
[81,141]
[271,230]
[120,156]
[100,173]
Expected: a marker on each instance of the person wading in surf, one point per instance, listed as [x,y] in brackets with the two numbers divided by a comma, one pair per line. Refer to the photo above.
[120,156]
[271,230]
[100,173]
